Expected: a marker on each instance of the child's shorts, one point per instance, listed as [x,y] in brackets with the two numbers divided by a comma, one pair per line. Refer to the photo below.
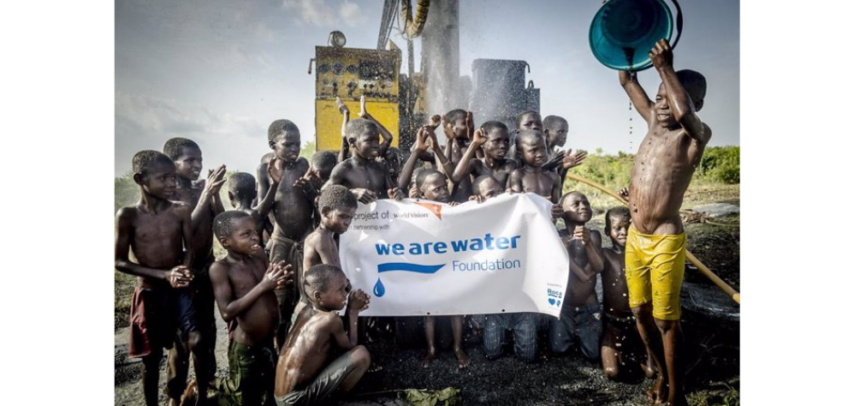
[155,316]
[252,375]
[323,386]
[655,271]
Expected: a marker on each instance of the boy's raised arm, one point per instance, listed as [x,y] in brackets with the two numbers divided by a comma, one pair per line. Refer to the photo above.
[276,172]
[464,167]
[636,94]
[204,205]
[358,301]
[591,242]
[387,138]
[409,166]
[344,145]
[262,181]
[680,102]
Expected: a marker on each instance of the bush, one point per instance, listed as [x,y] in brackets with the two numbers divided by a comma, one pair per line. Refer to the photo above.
[721,165]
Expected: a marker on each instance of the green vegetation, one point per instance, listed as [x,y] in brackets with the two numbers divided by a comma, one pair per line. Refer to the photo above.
[308,150]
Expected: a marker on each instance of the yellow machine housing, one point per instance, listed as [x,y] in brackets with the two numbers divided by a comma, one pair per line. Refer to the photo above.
[349,73]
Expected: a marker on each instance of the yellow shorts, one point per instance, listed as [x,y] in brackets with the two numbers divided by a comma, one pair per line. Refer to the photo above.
[655,263]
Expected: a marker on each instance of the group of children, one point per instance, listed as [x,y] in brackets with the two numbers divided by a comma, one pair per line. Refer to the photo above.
[280,285]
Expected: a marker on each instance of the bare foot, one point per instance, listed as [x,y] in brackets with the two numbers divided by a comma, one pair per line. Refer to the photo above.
[431,354]
[189,397]
[462,358]
[658,392]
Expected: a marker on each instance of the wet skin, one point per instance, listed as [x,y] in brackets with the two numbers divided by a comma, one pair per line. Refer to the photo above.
[190,191]
[495,146]
[530,121]
[293,208]
[243,199]
[583,248]
[458,133]
[531,177]
[320,247]
[362,174]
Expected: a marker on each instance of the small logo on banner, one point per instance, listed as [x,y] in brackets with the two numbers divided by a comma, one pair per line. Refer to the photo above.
[379,288]
[435,208]
[554,297]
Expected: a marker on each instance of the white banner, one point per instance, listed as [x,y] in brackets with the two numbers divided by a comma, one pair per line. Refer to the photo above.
[418,257]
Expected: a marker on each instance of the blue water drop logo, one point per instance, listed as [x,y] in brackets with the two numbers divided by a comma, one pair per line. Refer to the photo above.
[552,302]
[379,288]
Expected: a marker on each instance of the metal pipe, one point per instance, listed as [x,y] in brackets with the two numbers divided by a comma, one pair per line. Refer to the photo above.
[412,28]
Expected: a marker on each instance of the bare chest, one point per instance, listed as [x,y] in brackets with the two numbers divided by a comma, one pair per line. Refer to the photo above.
[540,183]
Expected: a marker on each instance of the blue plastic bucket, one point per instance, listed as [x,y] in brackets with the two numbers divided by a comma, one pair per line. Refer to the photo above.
[624,31]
